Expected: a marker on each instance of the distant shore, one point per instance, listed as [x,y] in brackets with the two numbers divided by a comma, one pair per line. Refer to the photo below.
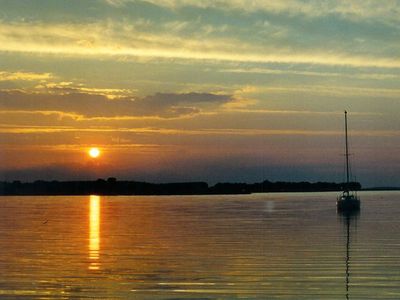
[112,186]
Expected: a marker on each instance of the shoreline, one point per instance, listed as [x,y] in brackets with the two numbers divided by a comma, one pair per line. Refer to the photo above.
[112,187]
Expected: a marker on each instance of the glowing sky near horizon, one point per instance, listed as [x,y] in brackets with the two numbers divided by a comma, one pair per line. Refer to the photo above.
[177,90]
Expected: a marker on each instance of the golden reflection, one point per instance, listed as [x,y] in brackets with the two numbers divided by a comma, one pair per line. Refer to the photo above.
[94,232]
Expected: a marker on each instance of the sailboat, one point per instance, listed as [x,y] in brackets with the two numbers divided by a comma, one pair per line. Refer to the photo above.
[347,201]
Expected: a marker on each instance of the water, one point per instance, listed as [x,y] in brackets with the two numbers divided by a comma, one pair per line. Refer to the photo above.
[262,246]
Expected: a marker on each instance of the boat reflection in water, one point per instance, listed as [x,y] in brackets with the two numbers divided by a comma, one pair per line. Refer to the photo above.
[94,232]
[348,217]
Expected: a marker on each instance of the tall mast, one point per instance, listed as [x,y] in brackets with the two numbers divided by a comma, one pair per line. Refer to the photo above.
[347,152]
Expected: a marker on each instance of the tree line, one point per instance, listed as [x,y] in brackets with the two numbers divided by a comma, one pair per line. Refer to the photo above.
[112,186]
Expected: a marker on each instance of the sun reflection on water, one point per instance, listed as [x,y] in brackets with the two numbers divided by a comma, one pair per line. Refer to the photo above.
[94,232]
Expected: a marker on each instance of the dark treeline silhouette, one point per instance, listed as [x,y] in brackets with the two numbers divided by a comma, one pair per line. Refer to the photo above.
[113,187]
[282,186]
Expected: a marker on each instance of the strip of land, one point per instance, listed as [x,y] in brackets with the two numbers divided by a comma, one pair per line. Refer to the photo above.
[112,186]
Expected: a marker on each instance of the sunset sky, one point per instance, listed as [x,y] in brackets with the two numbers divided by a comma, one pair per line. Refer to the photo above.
[183,90]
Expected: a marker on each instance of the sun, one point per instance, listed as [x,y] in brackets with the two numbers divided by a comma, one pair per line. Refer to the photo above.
[94,152]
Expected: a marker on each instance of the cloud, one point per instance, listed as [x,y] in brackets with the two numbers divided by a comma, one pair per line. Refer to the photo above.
[70,87]
[115,2]
[24,76]
[331,90]
[166,105]
[268,71]
[119,39]
[351,9]
[198,132]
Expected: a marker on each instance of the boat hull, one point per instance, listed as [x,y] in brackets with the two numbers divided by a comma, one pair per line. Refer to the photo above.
[348,204]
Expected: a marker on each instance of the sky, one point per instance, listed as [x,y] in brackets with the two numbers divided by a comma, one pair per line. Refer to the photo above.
[187,90]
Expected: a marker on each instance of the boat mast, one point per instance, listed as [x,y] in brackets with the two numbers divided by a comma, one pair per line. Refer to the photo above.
[347,154]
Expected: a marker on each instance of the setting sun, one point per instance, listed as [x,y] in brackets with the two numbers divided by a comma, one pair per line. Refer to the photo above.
[94,152]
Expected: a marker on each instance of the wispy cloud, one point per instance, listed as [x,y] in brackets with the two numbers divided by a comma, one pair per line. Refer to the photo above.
[121,40]
[390,11]
[331,90]
[199,132]
[24,76]
[63,88]
[369,75]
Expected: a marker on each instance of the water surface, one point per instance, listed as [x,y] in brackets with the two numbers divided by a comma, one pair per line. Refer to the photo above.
[261,246]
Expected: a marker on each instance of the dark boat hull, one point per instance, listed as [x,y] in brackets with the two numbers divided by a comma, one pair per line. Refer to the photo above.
[348,204]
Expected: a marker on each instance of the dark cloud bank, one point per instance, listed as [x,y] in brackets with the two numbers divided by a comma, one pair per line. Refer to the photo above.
[165,105]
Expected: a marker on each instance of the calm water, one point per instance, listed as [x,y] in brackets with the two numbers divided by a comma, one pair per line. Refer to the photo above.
[262,246]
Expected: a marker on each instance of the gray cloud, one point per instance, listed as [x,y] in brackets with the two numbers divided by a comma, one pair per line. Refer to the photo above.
[166,105]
